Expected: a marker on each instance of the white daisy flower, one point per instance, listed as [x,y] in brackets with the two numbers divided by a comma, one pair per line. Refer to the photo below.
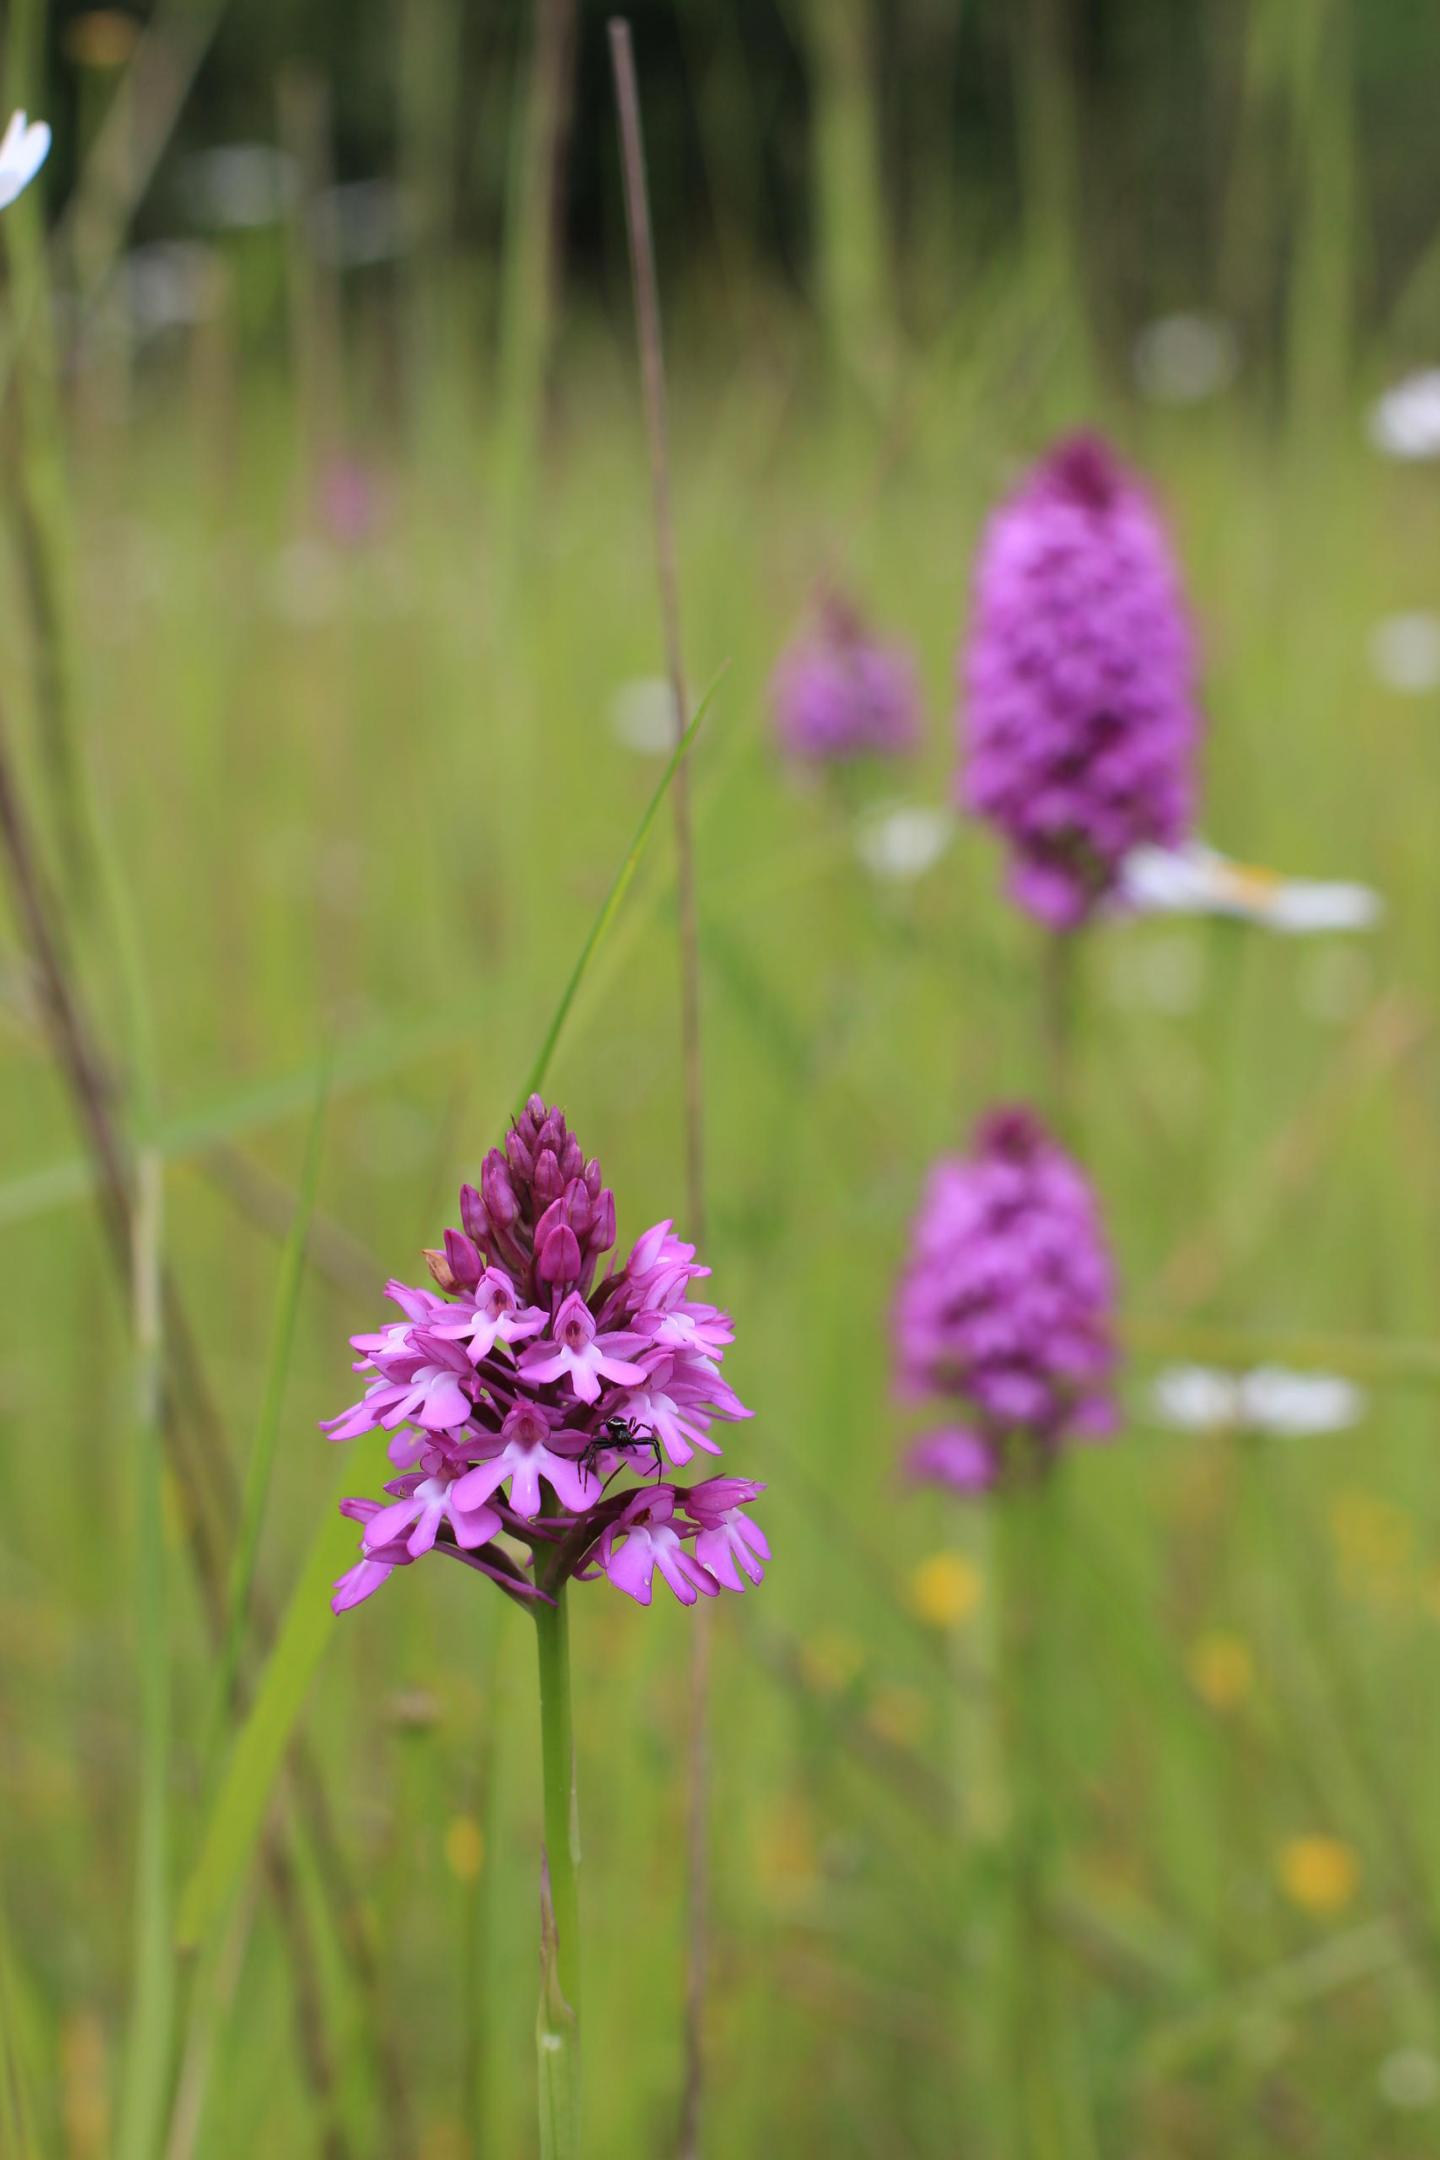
[642,716]
[1409,2079]
[1184,359]
[24,148]
[1405,652]
[1196,1398]
[241,187]
[1405,421]
[1197,880]
[1270,1399]
[901,841]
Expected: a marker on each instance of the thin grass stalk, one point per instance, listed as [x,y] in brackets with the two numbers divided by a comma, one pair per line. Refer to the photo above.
[148,2048]
[1044,2108]
[477,1905]
[1048,126]
[39,491]
[211,1995]
[302,104]
[652,374]
[1320,327]
[262,1456]
[1026,2056]
[610,907]
[1059,1013]
[431,86]
[527,288]
[853,250]
[20,2131]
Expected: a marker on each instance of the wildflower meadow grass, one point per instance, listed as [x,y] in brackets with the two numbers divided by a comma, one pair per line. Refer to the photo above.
[1093,1813]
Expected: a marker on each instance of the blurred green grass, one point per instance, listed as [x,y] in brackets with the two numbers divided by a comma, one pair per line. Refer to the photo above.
[370,797]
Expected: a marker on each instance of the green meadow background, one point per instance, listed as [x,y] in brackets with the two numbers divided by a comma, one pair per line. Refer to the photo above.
[321,820]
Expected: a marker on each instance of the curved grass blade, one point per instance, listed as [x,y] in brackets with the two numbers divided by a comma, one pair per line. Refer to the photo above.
[262,1455]
[614,897]
[20,2019]
[238,1814]
[377,1056]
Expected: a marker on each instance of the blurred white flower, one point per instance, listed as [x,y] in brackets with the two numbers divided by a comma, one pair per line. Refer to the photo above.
[1161,972]
[1271,1399]
[1197,880]
[359,223]
[24,147]
[1410,2079]
[172,285]
[1183,359]
[1405,420]
[642,716]
[901,841]
[1333,983]
[238,186]
[1292,1404]
[1196,1398]
[1405,652]
[307,583]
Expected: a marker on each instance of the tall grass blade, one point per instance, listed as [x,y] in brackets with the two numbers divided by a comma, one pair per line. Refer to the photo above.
[613,899]
[238,1814]
[262,1457]
[147,2058]
[19,2120]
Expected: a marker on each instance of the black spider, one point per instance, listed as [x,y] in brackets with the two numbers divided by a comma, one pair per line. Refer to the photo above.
[622,1433]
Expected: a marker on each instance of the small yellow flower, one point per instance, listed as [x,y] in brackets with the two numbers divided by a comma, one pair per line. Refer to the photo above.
[1319,1874]
[101,38]
[464,1848]
[945,1589]
[897,1714]
[785,1850]
[444,2141]
[84,2086]
[830,1661]
[1221,1669]
[1375,1546]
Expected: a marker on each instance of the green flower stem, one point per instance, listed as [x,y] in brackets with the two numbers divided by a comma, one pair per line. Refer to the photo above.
[557,2024]
[1030,2043]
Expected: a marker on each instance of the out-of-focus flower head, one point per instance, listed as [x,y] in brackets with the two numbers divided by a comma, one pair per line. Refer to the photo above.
[837,693]
[242,186]
[1405,652]
[524,1388]
[171,285]
[1405,419]
[360,223]
[642,715]
[1080,712]
[24,147]
[1184,359]
[1269,1399]
[352,500]
[101,38]
[899,842]
[1196,880]
[1004,1312]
